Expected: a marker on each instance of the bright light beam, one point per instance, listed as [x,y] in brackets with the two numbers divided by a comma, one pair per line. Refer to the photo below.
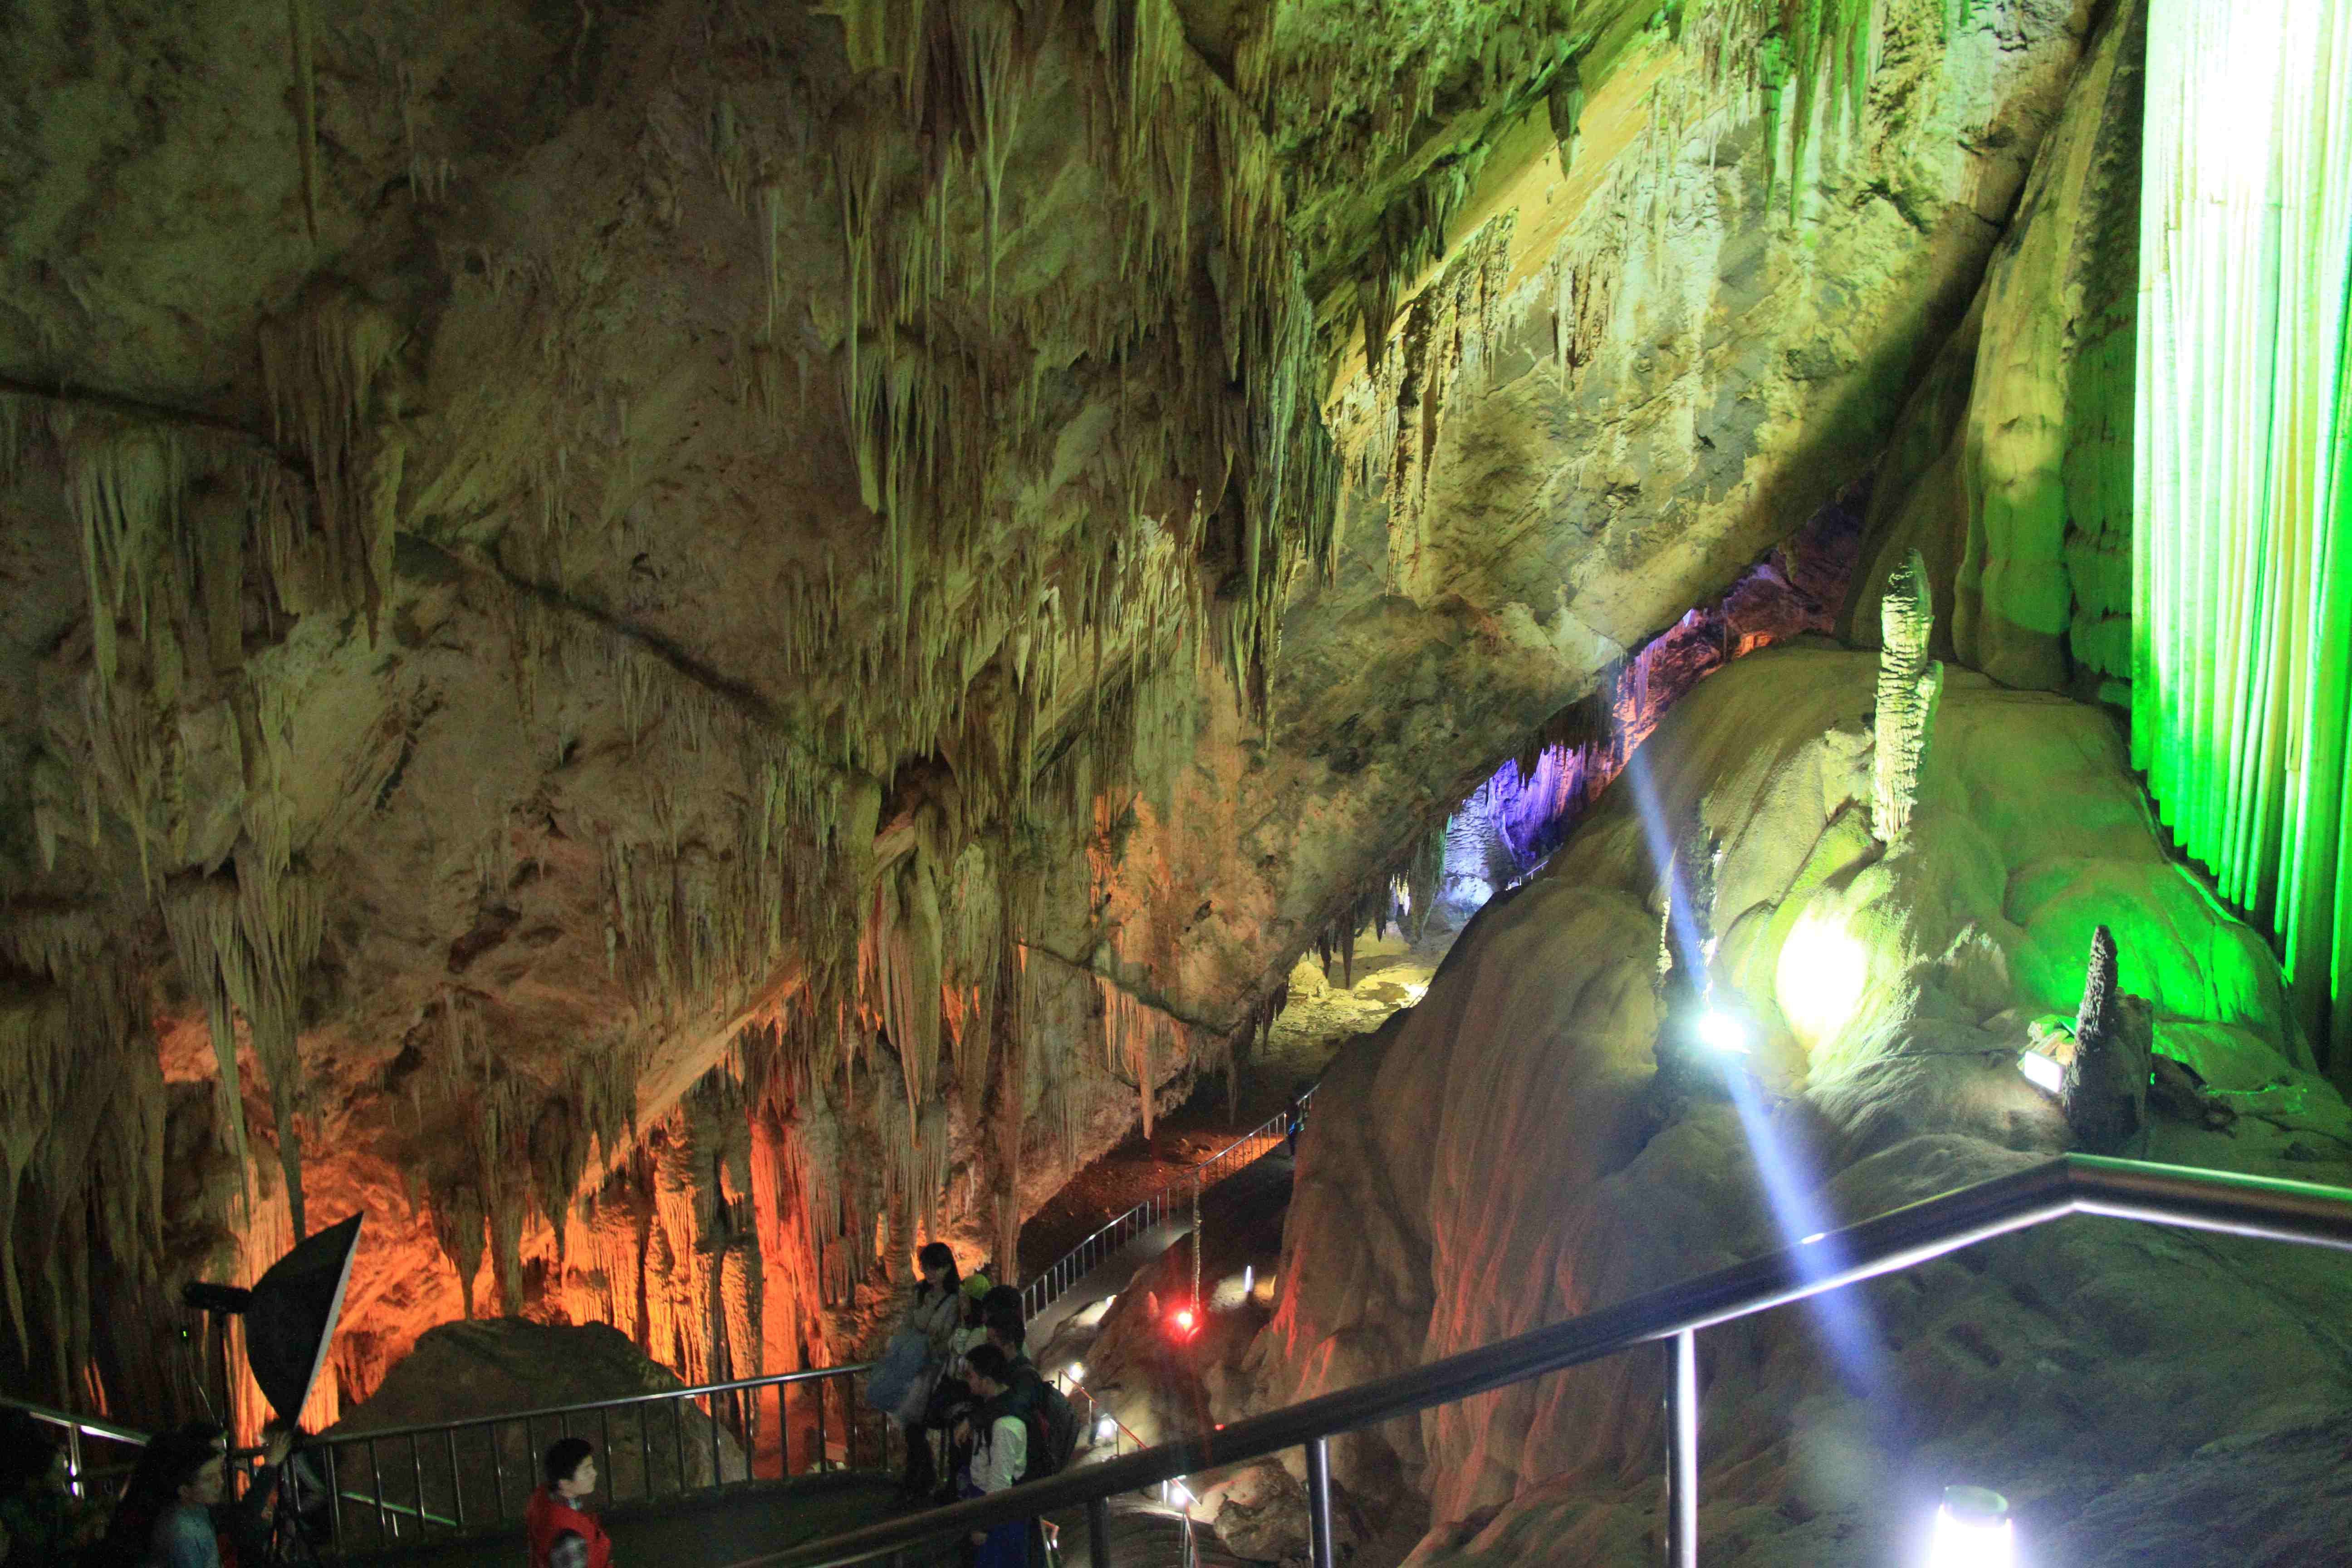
[1790,1182]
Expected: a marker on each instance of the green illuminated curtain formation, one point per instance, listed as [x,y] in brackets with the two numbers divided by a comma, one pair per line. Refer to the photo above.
[2242,506]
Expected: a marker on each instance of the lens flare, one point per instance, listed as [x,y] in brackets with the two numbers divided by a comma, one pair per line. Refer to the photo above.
[1973,1531]
[1722,1031]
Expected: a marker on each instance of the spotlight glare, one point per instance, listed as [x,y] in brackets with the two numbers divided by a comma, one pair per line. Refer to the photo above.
[2043,1072]
[1249,1278]
[1721,1032]
[1973,1531]
[1183,1320]
[1078,1373]
[1184,1498]
[1106,1429]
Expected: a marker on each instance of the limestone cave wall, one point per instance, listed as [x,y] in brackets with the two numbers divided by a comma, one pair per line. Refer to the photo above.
[669,645]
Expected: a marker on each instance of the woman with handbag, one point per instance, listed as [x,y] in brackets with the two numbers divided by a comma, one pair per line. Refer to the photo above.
[929,1321]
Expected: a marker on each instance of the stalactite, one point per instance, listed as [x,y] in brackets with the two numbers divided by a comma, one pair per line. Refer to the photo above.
[82,1131]
[126,488]
[1564,99]
[244,939]
[306,109]
[1909,682]
[330,370]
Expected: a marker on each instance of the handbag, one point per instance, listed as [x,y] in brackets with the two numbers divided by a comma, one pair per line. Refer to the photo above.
[899,1373]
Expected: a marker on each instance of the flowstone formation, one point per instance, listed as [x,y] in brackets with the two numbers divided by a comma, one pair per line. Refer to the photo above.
[1486,1163]
[669,650]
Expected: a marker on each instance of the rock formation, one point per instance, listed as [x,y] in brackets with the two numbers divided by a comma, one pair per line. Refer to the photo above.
[668,647]
[1908,684]
[1485,1165]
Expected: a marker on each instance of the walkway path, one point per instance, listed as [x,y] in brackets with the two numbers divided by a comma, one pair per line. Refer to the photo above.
[709,1533]
[1256,1188]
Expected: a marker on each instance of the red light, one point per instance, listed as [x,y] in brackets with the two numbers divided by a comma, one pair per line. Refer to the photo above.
[1184,1320]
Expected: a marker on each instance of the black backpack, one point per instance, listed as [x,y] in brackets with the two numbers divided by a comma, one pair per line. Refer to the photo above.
[1051,1425]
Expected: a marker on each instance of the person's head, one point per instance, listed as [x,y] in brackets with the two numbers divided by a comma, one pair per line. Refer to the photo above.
[937,1260]
[992,1369]
[190,1466]
[570,1468]
[1006,1330]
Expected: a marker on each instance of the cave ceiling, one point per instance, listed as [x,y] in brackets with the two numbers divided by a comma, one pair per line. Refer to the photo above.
[538,536]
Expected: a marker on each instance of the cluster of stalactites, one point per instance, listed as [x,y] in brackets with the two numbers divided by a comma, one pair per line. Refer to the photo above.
[242,940]
[82,1134]
[1450,334]
[188,533]
[927,334]
[526,1147]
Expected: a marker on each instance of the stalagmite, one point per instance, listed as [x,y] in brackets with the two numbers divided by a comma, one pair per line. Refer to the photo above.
[1909,682]
[2105,1092]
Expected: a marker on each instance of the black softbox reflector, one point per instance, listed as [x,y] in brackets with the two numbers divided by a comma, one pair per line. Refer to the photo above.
[291,1317]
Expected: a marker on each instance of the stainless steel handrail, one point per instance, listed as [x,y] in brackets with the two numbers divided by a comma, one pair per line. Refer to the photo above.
[76,1428]
[89,1425]
[1057,1276]
[554,1412]
[490,1500]
[2256,1206]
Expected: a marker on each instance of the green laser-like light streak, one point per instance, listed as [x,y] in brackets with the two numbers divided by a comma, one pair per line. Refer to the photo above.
[2242,699]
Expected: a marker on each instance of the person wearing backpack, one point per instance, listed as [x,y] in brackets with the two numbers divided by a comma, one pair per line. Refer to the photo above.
[1000,1455]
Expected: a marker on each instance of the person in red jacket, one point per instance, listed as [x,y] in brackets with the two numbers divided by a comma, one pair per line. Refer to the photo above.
[561,1534]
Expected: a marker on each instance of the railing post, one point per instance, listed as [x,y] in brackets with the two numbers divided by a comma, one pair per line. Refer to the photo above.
[1318,1503]
[375,1468]
[823,1453]
[1682,1450]
[458,1487]
[1196,1249]
[1098,1533]
[335,1496]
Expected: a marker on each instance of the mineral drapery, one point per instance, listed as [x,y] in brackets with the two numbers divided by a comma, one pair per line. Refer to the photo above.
[2242,584]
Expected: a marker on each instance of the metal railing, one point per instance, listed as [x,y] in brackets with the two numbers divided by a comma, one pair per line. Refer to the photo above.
[2234,1205]
[80,1430]
[1081,1260]
[407,1484]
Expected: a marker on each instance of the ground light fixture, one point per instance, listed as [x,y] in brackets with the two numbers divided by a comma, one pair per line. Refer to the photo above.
[1719,1031]
[2045,1073]
[1106,1428]
[1973,1531]
[1077,1373]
